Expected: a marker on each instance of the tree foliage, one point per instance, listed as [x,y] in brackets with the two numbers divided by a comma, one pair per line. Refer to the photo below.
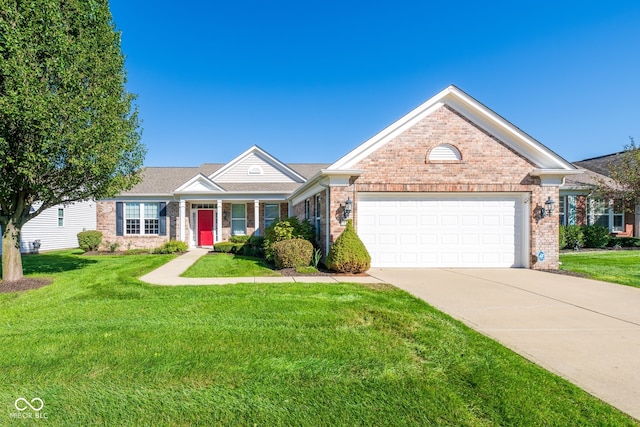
[624,174]
[68,127]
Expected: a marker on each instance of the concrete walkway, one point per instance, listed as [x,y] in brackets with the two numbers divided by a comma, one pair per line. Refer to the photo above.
[586,331]
[169,275]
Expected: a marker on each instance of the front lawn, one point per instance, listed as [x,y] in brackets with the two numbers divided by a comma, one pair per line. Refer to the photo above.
[610,266]
[100,347]
[229,265]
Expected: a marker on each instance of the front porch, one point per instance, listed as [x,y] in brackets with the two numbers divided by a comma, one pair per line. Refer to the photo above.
[207,222]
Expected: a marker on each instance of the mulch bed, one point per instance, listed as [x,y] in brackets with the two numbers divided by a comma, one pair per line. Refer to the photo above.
[291,272]
[24,284]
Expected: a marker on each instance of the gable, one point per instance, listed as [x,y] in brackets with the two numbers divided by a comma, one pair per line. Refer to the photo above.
[474,112]
[471,155]
[198,184]
[255,165]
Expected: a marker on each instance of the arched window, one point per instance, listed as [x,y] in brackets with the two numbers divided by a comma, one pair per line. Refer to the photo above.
[445,152]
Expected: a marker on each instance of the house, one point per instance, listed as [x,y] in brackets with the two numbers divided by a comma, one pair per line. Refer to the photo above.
[579,205]
[57,227]
[450,184]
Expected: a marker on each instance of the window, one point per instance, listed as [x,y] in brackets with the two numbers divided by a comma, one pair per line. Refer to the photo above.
[307,210]
[151,216]
[60,217]
[606,214]
[238,219]
[317,213]
[142,218]
[132,218]
[568,210]
[271,214]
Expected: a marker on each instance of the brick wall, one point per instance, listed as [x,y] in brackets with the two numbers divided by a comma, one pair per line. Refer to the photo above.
[486,165]
[106,223]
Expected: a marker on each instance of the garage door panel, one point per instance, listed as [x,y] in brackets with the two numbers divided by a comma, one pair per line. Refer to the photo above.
[455,230]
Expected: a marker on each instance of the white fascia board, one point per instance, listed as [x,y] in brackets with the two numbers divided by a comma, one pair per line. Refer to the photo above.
[387,134]
[475,111]
[140,198]
[323,179]
[553,177]
[507,133]
[260,152]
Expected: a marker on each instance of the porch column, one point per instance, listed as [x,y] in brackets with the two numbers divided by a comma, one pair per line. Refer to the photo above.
[636,225]
[182,219]
[218,237]
[256,213]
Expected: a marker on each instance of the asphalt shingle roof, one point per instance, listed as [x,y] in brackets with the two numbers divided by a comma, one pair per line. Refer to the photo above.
[165,180]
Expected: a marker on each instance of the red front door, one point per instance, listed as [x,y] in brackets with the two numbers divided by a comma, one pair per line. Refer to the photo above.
[205,228]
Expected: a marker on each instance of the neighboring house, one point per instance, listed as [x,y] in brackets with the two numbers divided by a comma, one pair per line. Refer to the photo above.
[451,184]
[579,205]
[57,227]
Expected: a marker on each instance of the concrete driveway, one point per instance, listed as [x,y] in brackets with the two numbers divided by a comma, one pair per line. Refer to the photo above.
[586,331]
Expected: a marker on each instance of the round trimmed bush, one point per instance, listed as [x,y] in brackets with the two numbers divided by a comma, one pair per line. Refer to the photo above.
[89,240]
[348,254]
[292,253]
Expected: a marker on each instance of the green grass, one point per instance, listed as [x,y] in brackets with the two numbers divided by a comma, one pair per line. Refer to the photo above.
[101,348]
[611,266]
[229,265]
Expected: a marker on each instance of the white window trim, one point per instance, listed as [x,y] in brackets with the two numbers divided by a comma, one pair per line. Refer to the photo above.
[609,212]
[140,218]
[60,217]
[244,218]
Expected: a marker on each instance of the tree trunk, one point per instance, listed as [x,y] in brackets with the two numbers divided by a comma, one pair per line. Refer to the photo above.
[11,256]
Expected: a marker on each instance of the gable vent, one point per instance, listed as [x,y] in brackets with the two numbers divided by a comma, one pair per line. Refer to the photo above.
[255,170]
[445,152]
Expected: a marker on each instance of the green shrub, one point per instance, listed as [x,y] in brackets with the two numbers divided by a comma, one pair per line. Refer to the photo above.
[625,242]
[290,228]
[348,254]
[253,247]
[574,236]
[595,236]
[89,240]
[172,247]
[292,253]
[228,247]
[112,246]
[240,239]
[562,239]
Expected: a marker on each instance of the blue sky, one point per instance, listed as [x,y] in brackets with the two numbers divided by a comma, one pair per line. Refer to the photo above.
[308,81]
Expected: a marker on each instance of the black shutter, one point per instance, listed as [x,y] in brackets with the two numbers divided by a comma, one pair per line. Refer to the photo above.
[119,219]
[162,223]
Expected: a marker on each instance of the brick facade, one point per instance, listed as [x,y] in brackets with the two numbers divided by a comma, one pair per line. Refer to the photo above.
[486,165]
[106,223]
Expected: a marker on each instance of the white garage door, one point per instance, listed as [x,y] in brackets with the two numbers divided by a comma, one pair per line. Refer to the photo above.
[442,230]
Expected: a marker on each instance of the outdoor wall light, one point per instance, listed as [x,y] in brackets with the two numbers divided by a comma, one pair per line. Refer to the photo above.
[347,208]
[547,209]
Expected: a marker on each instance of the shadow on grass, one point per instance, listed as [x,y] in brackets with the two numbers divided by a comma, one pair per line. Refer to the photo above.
[52,263]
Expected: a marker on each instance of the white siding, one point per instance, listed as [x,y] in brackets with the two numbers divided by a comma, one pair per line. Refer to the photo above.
[78,217]
[240,171]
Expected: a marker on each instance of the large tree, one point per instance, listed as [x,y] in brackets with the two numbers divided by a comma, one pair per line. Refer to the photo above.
[68,128]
